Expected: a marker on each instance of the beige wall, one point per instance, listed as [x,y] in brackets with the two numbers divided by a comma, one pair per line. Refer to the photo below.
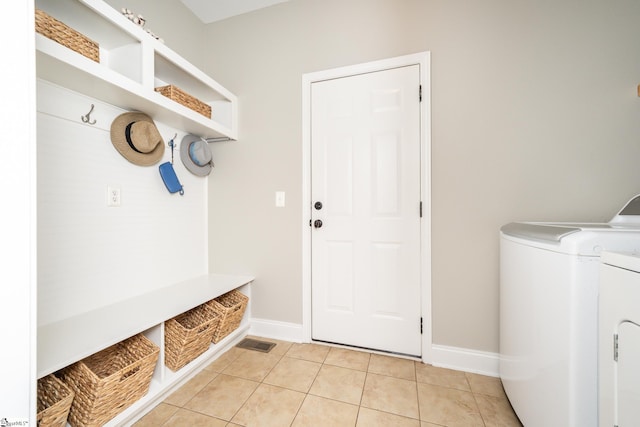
[534,117]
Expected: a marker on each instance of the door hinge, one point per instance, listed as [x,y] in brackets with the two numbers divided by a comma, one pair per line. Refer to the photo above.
[420,208]
[615,347]
[421,326]
[420,93]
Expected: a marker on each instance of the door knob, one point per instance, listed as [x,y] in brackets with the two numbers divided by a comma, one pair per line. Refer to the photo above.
[317,223]
[318,205]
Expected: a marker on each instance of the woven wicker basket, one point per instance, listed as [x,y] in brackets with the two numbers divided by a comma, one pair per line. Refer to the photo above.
[231,307]
[54,402]
[181,97]
[108,382]
[59,32]
[188,335]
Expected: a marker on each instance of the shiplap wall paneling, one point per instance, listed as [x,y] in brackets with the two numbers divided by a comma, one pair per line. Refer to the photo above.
[91,255]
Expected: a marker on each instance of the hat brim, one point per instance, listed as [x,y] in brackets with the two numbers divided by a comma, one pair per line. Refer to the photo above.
[119,140]
[186,158]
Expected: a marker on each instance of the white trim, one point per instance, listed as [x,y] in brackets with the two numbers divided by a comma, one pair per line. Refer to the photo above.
[18,251]
[276,330]
[423,59]
[463,359]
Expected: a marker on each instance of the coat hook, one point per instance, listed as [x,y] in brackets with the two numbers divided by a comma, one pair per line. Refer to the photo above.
[87,118]
[172,145]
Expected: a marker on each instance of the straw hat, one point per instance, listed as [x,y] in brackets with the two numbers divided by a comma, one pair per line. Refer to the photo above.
[136,137]
[196,155]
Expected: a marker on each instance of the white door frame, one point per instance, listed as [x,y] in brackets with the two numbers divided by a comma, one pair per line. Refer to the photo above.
[424,60]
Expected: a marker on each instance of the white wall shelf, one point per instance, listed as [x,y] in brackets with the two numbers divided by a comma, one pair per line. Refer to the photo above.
[132,63]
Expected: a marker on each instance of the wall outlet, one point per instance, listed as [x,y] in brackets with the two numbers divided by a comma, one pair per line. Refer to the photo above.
[113,196]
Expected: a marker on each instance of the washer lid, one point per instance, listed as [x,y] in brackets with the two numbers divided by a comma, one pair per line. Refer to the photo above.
[627,218]
[545,232]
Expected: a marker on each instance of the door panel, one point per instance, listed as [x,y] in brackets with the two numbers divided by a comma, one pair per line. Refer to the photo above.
[339,196]
[365,148]
[340,276]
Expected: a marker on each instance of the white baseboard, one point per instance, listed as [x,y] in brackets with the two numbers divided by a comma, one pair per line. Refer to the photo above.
[460,359]
[463,359]
[277,330]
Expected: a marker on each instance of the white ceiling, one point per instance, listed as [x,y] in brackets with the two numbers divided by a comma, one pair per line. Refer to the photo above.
[215,10]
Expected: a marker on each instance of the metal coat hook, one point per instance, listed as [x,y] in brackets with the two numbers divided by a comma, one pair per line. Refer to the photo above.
[87,118]
[172,145]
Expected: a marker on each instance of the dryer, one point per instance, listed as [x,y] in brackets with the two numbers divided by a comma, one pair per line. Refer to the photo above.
[548,314]
[619,340]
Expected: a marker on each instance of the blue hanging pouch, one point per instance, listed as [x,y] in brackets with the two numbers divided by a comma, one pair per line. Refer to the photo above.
[170,178]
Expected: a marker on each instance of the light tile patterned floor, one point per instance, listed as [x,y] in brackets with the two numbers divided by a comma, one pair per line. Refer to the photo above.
[315,385]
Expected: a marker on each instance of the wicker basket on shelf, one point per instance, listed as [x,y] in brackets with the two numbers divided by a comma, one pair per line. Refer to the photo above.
[188,335]
[108,382]
[181,97]
[54,402]
[59,32]
[231,307]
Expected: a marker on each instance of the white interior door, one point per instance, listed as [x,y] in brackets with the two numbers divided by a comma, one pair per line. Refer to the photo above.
[365,190]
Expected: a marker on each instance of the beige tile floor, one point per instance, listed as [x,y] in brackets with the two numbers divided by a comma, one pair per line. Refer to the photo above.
[316,385]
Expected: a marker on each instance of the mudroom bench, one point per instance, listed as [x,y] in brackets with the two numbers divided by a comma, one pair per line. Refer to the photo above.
[66,341]
[88,54]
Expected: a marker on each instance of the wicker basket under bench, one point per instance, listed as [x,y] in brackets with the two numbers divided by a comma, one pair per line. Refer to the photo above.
[110,381]
[231,307]
[188,335]
[54,402]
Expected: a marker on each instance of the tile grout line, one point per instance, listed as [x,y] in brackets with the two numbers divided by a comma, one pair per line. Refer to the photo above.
[306,394]
[475,400]
[261,382]
[415,378]
[195,394]
[415,371]
[222,373]
[239,353]
[366,375]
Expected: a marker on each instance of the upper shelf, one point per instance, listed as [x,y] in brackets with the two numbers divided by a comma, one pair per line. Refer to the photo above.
[132,63]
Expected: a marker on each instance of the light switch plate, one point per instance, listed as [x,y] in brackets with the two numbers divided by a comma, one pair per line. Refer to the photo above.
[280,199]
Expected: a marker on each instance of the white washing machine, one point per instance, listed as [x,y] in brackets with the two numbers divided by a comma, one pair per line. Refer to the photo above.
[619,340]
[548,315]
